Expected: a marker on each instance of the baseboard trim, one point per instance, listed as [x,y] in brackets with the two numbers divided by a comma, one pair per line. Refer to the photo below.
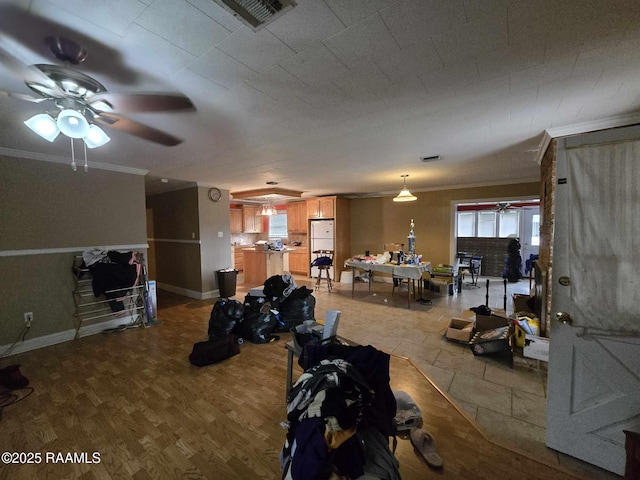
[189,293]
[65,336]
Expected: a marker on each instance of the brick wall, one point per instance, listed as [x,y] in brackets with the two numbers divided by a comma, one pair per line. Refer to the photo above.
[492,250]
[547,207]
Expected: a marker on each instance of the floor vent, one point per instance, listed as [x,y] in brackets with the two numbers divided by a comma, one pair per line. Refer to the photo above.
[257,13]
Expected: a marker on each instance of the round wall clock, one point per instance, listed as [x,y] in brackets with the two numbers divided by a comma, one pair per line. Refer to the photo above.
[215,194]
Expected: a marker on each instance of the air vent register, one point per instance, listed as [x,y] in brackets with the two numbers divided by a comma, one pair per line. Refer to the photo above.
[257,13]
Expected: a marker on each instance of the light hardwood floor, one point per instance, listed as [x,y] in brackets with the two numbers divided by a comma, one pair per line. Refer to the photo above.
[133,397]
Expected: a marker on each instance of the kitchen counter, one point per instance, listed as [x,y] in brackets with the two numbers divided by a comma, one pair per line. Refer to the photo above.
[259,265]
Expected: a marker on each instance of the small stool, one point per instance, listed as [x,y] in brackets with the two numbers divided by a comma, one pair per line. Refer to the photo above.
[327,276]
[323,262]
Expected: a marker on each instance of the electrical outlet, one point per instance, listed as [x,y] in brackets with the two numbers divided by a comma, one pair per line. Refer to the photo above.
[28,318]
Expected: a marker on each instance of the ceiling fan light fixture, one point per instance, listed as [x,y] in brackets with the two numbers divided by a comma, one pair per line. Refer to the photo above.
[73,124]
[44,125]
[404,195]
[96,137]
[102,106]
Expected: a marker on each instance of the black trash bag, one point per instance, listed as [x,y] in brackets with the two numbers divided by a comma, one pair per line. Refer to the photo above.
[261,305]
[513,262]
[274,287]
[256,327]
[224,316]
[256,304]
[295,310]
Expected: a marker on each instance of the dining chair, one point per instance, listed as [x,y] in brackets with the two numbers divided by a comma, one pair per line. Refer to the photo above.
[475,265]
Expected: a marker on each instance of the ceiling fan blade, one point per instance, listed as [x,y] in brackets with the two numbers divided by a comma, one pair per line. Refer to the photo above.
[137,129]
[22,96]
[28,73]
[142,102]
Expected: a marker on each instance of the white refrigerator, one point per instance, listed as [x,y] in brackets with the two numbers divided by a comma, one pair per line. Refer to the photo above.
[322,238]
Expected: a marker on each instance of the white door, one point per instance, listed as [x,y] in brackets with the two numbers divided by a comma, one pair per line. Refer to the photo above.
[530,239]
[594,364]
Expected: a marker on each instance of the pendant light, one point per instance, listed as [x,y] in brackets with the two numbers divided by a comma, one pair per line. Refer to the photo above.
[268,208]
[405,194]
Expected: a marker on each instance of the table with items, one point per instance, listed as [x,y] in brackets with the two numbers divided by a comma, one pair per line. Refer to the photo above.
[411,272]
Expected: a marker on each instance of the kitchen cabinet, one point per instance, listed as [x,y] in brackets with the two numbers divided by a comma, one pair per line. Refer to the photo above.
[299,261]
[321,207]
[297,217]
[251,221]
[238,259]
[235,218]
[263,264]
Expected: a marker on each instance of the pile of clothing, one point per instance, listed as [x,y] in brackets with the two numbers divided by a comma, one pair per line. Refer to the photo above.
[341,414]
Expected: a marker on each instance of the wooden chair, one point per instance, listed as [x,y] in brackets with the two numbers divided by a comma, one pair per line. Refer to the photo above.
[397,281]
[324,263]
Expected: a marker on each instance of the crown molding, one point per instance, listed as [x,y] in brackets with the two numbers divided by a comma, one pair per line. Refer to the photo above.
[578,128]
[43,157]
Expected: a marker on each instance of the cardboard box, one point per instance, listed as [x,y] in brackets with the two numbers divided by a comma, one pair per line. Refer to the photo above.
[498,318]
[440,287]
[460,330]
[536,347]
[520,302]
[491,341]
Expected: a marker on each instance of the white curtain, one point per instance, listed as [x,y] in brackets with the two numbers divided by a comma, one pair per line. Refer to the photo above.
[604,236]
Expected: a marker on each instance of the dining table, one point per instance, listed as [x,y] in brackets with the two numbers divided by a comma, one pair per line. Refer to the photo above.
[410,271]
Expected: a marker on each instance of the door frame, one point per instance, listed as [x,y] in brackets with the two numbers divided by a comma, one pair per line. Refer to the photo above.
[453,238]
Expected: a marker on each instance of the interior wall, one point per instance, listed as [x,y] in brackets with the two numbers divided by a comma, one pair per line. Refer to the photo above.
[48,214]
[215,249]
[185,243]
[176,240]
[376,221]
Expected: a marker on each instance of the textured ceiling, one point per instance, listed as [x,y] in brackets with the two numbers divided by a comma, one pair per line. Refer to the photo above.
[339,96]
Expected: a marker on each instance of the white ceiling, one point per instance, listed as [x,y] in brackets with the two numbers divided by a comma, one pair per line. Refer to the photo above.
[339,96]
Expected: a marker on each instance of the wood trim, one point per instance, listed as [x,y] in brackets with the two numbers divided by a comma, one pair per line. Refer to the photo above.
[49,251]
[263,192]
[480,430]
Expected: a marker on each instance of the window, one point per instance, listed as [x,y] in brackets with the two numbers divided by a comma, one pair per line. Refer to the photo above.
[493,224]
[466,224]
[278,225]
[486,224]
[535,230]
[509,223]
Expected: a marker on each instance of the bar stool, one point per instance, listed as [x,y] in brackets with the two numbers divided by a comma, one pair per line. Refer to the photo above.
[324,263]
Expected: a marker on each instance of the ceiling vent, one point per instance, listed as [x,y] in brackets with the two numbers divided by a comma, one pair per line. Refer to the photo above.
[257,13]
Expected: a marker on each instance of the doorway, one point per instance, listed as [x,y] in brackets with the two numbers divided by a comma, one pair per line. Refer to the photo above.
[485,228]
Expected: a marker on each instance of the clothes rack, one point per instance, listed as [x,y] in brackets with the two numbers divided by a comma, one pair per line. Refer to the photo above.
[89,308]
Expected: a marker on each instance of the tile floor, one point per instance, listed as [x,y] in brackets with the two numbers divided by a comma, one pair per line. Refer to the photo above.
[509,403]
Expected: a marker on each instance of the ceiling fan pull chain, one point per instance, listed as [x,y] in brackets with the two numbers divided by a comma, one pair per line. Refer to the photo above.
[73,156]
[86,167]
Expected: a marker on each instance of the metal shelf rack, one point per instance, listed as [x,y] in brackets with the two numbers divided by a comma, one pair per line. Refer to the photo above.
[88,307]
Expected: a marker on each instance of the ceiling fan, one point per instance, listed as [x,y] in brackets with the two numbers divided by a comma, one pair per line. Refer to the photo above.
[82,101]
[503,206]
